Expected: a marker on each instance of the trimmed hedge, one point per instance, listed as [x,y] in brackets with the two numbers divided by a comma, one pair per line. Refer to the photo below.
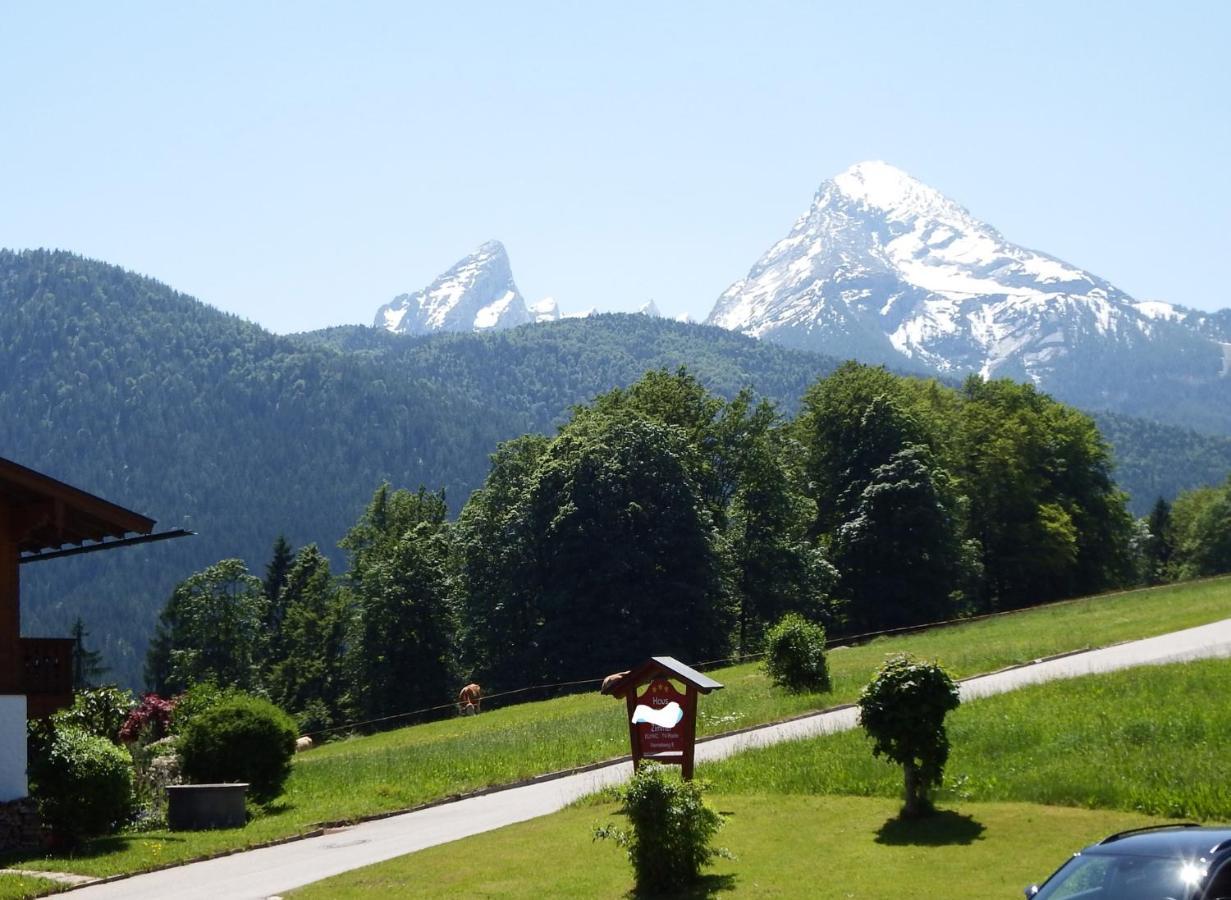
[241,738]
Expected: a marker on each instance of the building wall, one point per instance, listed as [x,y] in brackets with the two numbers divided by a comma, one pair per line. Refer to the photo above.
[12,747]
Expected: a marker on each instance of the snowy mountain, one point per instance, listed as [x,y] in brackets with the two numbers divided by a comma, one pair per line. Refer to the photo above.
[477,294]
[883,268]
[546,310]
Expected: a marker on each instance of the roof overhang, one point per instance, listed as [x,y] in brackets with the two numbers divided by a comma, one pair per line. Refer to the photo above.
[45,515]
[663,667]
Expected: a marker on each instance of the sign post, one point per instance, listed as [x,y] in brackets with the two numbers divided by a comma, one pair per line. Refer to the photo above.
[662,722]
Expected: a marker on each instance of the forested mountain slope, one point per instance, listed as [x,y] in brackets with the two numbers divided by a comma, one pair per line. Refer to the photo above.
[121,386]
[124,387]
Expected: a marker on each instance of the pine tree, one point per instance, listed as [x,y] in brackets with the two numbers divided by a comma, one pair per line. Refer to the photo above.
[1159,547]
[87,664]
[275,580]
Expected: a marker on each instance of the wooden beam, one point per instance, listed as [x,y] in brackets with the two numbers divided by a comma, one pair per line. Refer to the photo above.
[10,609]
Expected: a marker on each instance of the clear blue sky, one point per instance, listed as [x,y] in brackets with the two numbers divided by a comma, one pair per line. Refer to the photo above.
[300,164]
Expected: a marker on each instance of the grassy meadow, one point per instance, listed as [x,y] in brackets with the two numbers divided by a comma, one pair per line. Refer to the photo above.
[361,776]
[1153,740]
[1034,775]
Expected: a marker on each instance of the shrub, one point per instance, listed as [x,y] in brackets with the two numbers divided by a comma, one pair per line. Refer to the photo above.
[242,738]
[795,654]
[196,700]
[83,784]
[672,829]
[98,711]
[903,710]
[149,720]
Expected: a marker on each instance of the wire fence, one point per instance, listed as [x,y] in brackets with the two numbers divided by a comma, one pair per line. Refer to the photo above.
[842,641]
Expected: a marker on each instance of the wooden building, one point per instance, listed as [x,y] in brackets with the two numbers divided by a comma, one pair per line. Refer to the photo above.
[40,519]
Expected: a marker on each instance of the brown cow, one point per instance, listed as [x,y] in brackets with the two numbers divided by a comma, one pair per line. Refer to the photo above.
[468,700]
[610,682]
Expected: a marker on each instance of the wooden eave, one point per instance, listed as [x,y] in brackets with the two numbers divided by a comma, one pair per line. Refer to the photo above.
[46,514]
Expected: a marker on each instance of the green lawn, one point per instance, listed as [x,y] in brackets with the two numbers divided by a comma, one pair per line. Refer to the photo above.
[349,779]
[1155,740]
[19,887]
[827,848]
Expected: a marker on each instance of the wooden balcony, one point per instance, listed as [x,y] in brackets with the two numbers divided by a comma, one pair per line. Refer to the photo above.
[47,675]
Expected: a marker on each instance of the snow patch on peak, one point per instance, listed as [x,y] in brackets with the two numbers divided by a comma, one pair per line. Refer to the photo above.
[900,197]
[875,180]
[650,308]
[1158,309]
[490,316]
[885,187]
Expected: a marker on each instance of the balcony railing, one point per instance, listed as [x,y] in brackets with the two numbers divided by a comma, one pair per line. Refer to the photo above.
[47,674]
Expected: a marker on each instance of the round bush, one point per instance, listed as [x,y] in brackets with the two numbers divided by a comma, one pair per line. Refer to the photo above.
[795,654]
[83,784]
[196,700]
[241,738]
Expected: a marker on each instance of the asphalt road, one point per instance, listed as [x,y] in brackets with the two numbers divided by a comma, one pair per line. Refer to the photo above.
[268,872]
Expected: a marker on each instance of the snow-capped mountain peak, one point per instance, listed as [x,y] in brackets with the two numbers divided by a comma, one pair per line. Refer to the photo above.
[883,187]
[884,268]
[477,294]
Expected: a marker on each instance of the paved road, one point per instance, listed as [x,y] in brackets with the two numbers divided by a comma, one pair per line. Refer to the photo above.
[268,872]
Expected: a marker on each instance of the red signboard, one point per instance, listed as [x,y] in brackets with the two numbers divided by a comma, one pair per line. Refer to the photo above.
[662,722]
[654,738]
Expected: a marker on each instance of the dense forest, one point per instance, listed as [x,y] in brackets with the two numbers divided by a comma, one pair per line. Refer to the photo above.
[122,386]
[663,518]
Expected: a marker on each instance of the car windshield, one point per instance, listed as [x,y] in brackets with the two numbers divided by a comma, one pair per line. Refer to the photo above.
[1124,878]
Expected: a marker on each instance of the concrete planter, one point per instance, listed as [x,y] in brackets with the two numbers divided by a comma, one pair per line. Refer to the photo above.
[192,807]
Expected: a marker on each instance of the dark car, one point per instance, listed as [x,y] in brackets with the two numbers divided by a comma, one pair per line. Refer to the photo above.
[1168,862]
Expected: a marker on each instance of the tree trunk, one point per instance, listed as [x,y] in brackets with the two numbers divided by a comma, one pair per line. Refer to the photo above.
[913,807]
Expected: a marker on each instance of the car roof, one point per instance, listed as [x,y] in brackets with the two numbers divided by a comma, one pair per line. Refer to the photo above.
[1177,840]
